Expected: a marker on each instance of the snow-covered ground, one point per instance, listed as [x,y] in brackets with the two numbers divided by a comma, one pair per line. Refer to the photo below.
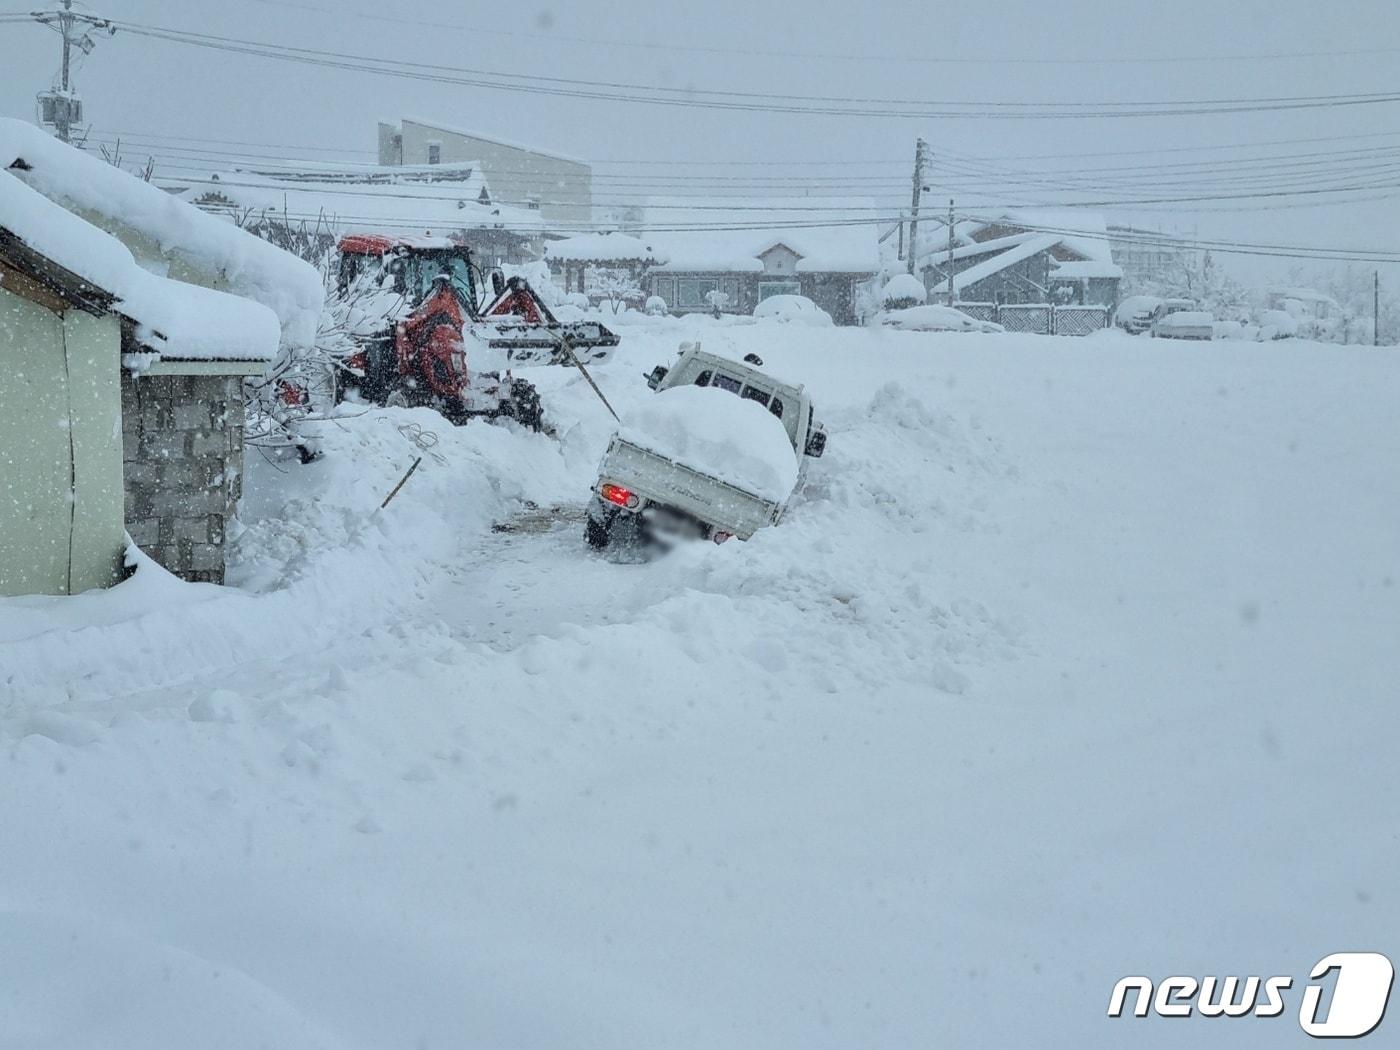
[1077,659]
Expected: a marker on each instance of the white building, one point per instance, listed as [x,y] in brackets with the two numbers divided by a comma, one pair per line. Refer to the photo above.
[560,187]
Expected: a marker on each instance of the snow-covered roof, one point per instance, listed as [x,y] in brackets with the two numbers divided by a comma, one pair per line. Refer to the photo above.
[718,239]
[465,174]
[975,248]
[1001,261]
[600,247]
[398,208]
[177,320]
[165,233]
[1083,232]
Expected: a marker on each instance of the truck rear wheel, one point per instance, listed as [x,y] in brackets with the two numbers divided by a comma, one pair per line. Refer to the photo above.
[612,528]
[597,534]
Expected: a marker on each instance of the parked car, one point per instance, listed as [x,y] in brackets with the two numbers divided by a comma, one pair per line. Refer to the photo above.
[793,309]
[1136,313]
[1185,324]
[934,319]
[1277,324]
[718,453]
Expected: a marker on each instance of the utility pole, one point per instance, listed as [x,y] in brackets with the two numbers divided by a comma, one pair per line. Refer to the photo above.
[919,146]
[950,251]
[62,108]
[1376,310]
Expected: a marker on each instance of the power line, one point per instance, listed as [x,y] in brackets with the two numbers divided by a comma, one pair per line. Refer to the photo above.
[989,59]
[955,173]
[839,163]
[710,98]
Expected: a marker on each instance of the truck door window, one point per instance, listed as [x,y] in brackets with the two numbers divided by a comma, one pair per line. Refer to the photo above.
[703,379]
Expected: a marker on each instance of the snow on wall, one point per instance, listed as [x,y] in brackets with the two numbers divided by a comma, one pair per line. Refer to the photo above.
[121,204]
[178,320]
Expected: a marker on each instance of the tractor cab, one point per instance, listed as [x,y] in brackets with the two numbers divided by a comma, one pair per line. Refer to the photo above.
[409,265]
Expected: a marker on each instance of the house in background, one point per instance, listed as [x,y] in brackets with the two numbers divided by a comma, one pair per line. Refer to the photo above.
[595,263]
[792,254]
[127,321]
[1023,257]
[560,188]
[1152,261]
[308,211]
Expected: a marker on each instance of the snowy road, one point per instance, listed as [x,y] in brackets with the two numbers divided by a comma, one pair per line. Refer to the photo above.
[1076,660]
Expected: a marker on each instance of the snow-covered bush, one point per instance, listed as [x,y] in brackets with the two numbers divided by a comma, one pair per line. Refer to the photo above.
[656,306]
[902,291]
[616,291]
[718,301]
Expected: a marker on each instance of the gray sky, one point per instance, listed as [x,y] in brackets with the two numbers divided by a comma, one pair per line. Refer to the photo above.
[875,49]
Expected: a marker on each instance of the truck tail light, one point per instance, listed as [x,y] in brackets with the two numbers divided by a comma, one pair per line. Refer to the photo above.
[619,495]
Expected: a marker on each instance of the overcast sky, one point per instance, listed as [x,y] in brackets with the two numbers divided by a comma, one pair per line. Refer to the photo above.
[879,48]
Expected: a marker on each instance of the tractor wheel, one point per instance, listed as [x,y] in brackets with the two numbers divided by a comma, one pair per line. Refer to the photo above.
[525,405]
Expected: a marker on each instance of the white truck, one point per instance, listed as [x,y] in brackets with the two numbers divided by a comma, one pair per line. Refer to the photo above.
[645,495]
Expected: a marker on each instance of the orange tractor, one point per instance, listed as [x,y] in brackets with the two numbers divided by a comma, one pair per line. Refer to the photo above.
[415,311]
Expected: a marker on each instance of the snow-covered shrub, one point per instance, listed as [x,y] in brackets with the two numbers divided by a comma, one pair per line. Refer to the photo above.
[718,301]
[656,306]
[902,291]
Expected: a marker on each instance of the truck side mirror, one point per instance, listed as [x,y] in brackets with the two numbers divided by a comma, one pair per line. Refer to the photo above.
[656,375]
[816,442]
[498,282]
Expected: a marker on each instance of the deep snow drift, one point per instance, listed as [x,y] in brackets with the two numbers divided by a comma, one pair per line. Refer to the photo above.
[1074,660]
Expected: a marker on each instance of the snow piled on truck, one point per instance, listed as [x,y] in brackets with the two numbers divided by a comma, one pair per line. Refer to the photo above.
[718,434]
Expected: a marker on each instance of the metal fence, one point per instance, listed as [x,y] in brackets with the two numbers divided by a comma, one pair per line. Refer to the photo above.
[1040,318]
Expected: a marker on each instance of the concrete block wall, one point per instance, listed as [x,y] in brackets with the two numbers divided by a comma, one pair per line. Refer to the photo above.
[182,453]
